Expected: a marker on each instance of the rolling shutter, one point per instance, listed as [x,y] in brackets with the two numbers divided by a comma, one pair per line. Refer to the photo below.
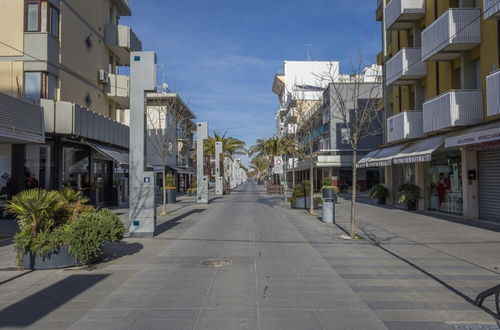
[489,185]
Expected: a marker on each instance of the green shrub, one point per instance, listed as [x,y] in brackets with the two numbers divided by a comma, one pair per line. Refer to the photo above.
[379,192]
[88,233]
[409,194]
[169,181]
[49,219]
[328,182]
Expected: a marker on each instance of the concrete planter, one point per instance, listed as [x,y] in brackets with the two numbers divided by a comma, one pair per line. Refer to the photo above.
[171,196]
[303,203]
[60,258]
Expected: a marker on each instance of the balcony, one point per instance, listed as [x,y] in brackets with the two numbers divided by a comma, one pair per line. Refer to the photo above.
[379,12]
[291,117]
[491,9]
[380,58]
[401,14]
[74,120]
[405,125]
[453,109]
[42,46]
[122,40]
[405,67]
[493,93]
[119,89]
[456,30]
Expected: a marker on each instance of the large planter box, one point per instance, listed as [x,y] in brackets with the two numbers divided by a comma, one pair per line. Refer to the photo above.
[304,203]
[60,258]
[171,196]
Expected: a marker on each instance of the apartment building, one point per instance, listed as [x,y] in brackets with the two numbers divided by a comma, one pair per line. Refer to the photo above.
[308,112]
[65,55]
[442,103]
[170,124]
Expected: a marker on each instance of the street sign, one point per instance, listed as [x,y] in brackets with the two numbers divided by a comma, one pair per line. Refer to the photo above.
[278,165]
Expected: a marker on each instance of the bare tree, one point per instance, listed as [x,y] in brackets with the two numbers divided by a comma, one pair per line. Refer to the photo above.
[166,112]
[355,103]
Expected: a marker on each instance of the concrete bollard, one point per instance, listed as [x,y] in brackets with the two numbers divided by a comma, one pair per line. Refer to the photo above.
[328,211]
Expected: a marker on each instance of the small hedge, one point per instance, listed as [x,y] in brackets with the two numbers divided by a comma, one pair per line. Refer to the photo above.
[86,236]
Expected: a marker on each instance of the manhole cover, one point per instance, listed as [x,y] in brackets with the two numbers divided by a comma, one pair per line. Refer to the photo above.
[216,262]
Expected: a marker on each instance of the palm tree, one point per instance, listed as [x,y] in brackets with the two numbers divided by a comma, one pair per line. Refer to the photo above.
[259,165]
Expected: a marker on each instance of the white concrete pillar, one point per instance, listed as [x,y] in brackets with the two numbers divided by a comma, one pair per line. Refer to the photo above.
[469,187]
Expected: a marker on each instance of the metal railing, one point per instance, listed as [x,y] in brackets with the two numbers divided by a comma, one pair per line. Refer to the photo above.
[493,93]
[456,26]
[397,8]
[491,9]
[405,125]
[406,64]
[452,109]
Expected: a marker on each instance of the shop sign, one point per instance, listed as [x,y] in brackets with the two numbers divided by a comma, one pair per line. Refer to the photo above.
[473,138]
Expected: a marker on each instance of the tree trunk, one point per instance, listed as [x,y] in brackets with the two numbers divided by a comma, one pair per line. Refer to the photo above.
[311,175]
[353,197]
[293,172]
[164,191]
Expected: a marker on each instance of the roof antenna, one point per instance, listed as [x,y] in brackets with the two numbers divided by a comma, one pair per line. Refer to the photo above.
[308,46]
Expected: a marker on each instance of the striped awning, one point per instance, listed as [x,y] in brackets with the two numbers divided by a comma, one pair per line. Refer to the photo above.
[419,151]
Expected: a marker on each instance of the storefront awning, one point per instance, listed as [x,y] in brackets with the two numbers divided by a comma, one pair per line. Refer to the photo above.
[121,157]
[384,156]
[475,135]
[362,162]
[419,151]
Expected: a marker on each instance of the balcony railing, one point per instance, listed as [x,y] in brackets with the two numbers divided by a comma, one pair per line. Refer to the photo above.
[453,109]
[493,93]
[405,125]
[119,89]
[122,40]
[406,66]
[491,9]
[400,14]
[456,30]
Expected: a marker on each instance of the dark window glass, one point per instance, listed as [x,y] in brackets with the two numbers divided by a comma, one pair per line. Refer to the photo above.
[32,16]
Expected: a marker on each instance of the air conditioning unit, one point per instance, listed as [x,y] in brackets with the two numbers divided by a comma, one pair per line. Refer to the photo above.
[103,77]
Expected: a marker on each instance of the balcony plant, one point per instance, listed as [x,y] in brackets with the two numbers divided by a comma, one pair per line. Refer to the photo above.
[53,230]
[170,189]
[409,194]
[380,193]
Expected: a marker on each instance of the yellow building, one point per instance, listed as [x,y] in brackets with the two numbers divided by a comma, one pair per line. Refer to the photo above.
[66,55]
[442,103]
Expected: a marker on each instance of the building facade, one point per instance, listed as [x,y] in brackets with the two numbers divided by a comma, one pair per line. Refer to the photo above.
[308,112]
[65,55]
[441,100]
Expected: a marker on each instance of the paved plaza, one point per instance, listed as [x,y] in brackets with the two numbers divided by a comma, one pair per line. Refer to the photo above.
[286,270]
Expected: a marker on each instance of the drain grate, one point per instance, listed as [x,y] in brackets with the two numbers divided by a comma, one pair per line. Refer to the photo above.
[216,262]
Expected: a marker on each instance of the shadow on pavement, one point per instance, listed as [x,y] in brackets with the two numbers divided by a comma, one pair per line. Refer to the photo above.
[113,251]
[29,310]
[160,229]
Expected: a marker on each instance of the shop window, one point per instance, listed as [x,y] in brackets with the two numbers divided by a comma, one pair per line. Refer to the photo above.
[443,183]
[76,170]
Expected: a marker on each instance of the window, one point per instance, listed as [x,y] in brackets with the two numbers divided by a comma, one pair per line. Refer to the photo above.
[54,21]
[32,85]
[40,85]
[32,16]
[42,17]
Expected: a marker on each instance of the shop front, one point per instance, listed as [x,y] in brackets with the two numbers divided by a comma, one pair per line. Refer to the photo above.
[480,150]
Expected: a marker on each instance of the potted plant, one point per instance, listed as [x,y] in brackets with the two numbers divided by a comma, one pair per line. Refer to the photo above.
[191,191]
[409,194]
[380,193]
[59,229]
[301,196]
[170,188]
[329,191]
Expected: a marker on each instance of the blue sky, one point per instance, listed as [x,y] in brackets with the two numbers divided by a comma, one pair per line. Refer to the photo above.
[221,55]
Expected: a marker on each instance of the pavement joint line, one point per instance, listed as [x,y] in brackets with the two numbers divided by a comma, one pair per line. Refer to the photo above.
[255,270]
